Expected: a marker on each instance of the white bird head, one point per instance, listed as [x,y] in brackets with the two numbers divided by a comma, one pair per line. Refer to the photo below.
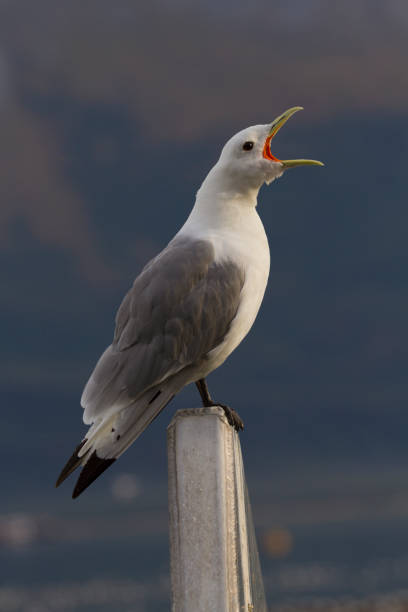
[246,161]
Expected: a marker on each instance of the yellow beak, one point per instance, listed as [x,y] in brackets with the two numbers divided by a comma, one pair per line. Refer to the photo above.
[274,129]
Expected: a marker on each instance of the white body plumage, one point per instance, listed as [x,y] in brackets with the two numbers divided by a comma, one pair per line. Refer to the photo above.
[188,309]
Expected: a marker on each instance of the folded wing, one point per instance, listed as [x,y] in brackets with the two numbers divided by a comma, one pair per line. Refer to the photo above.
[180,307]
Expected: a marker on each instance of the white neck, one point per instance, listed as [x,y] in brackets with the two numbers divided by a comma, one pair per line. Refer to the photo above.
[221,203]
[223,182]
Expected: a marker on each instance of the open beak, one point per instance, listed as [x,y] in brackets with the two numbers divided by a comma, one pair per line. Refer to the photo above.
[274,129]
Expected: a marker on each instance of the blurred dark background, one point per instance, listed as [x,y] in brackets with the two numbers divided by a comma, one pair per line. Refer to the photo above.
[111,114]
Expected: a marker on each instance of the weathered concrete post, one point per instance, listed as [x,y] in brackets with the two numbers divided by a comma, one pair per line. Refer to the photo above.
[214,559]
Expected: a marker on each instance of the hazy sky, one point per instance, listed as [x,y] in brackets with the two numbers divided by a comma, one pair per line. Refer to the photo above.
[110,117]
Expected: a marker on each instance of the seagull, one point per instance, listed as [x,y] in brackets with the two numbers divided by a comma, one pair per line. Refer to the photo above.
[188,309]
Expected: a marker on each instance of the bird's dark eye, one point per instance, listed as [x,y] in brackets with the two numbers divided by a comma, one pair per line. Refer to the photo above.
[247,146]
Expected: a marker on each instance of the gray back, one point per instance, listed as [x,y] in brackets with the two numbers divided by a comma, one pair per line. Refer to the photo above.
[180,307]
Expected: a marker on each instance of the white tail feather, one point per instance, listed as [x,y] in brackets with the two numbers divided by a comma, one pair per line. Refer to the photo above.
[111,435]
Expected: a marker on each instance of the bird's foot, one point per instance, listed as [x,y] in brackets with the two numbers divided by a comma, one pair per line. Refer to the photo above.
[233,417]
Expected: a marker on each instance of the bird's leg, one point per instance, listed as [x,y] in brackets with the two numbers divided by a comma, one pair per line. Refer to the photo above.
[233,417]
[204,392]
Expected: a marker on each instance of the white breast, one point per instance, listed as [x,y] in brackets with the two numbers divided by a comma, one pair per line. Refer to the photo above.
[239,236]
[249,249]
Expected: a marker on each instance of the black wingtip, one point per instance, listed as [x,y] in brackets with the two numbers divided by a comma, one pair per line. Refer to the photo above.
[73,462]
[93,468]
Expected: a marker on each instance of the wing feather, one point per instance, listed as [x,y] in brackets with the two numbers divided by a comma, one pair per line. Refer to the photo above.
[179,308]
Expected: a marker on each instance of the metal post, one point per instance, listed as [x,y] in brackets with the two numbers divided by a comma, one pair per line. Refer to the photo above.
[214,560]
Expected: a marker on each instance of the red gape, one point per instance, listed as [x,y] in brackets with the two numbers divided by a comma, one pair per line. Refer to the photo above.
[267,150]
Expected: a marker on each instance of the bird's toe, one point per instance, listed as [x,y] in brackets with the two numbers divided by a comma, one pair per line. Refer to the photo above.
[233,417]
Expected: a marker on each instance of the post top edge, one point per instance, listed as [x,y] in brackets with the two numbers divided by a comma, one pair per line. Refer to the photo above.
[215,411]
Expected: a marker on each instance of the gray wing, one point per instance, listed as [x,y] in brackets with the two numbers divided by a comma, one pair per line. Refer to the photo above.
[180,307]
